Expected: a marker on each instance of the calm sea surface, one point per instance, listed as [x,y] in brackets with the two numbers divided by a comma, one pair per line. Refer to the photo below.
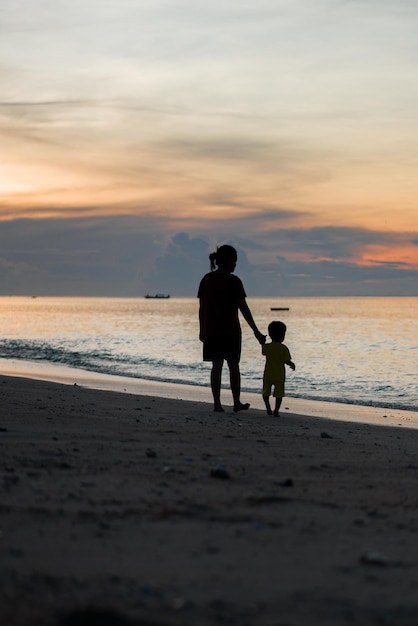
[352,350]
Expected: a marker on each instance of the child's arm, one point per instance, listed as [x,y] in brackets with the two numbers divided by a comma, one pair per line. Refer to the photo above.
[291,365]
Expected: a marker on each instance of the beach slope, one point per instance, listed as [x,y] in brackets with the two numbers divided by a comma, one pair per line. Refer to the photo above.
[121,509]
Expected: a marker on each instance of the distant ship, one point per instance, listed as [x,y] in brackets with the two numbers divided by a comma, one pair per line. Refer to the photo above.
[279,308]
[158,295]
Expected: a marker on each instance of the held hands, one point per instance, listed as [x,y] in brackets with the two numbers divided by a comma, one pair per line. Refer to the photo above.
[260,337]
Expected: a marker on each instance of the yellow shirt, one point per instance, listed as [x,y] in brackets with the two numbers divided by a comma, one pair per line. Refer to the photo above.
[277,354]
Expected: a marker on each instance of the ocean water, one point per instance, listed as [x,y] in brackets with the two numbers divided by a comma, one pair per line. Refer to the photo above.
[353,350]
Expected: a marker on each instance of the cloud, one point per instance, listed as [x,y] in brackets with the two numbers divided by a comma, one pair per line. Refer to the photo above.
[132,255]
[184,261]
[84,256]
[333,242]
[240,148]
[330,278]
[180,266]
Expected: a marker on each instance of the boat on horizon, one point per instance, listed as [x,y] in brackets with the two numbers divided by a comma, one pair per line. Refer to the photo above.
[160,296]
[279,308]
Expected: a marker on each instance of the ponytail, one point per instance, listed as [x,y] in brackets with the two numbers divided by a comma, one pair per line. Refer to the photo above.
[212,259]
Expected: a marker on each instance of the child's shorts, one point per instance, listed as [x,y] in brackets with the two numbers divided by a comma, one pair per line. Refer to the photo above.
[278,388]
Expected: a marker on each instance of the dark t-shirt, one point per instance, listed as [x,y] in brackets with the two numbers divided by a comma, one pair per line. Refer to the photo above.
[219,294]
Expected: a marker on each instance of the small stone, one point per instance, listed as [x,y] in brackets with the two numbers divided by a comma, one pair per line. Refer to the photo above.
[220,472]
[149,590]
[284,483]
[151,454]
[325,435]
[178,603]
[374,558]
[95,616]
[16,553]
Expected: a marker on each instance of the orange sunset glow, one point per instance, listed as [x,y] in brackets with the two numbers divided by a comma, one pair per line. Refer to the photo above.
[286,129]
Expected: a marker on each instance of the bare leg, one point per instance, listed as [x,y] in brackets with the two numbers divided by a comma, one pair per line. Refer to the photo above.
[267,403]
[235,380]
[277,407]
[215,381]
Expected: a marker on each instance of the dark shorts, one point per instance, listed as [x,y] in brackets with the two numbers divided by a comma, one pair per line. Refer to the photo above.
[228,348]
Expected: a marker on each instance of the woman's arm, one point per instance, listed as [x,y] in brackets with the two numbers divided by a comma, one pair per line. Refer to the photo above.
[247,315]
[200,321]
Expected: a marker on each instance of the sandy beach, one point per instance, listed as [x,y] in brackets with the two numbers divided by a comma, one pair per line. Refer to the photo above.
[140,510]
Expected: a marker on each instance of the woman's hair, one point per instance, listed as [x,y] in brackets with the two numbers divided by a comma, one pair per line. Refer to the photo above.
[277,331]
[222,257]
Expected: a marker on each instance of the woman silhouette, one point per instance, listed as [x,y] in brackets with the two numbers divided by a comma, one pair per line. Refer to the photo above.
[221,296]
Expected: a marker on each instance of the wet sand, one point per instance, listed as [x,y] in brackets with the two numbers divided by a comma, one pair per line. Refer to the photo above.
[118,508]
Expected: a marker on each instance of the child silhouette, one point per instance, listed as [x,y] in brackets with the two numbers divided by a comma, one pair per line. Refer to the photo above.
[277,356]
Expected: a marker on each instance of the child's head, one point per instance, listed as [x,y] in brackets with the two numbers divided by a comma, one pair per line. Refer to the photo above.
[277,331]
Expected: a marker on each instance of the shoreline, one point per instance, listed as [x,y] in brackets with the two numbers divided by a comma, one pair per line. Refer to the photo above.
[315,408]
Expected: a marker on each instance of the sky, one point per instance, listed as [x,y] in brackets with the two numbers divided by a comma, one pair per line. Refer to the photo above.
[137,135]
